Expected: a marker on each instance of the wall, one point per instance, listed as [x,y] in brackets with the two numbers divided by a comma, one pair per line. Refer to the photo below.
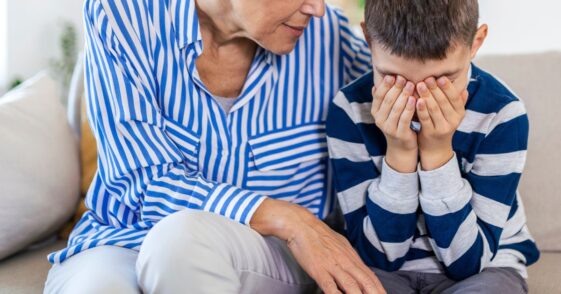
[3,54]
[32,34]
[521,26]
[33,27]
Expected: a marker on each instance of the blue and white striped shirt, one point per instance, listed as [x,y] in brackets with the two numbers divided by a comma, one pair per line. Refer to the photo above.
[458,219]
[165,144]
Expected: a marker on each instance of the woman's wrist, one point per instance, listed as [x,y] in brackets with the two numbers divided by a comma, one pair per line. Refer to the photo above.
[277,218]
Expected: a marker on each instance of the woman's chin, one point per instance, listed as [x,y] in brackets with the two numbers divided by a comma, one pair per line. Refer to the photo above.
[282,49]
[280,44]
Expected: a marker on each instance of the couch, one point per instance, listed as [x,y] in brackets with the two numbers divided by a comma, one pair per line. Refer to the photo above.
[536,78]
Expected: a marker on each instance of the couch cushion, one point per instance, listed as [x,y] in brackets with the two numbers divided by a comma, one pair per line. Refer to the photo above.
[88,165]
[544,276]
[26,272]
[537,81]
[39,165]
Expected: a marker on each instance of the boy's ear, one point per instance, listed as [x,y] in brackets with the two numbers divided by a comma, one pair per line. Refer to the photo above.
[366,36]
[479,39]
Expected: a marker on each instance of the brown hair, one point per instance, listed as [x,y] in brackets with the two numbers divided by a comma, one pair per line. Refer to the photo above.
[421,29]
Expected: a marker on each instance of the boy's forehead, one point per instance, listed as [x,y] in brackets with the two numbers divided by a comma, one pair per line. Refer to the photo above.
[415,70]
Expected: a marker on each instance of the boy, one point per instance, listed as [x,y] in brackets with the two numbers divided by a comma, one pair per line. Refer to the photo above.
[432,210]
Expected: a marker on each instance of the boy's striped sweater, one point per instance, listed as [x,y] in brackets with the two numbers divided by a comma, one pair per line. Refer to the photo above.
[457,219]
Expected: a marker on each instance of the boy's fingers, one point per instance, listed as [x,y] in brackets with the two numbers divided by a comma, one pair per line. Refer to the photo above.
[450,91]
[465,95]
[392,95]
[443,102]
[380,91]
[423,114]
[435,112]
[407,116]
[397,110]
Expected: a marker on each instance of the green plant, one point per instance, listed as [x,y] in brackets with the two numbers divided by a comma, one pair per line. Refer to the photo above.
[64,66]
[14,83]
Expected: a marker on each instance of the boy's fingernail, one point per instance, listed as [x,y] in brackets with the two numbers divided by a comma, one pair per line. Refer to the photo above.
[431,82]
[410,87]
[400,81]
[442,82]
[422,87]
[389,80]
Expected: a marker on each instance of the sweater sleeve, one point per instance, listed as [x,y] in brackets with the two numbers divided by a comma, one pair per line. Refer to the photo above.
[465,215]
[379,204]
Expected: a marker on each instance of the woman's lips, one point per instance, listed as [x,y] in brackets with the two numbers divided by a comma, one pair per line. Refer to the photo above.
[296,31]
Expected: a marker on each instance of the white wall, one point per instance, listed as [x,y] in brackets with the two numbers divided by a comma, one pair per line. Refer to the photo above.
[521,26]
[3,56]
[32,34]
[29,30]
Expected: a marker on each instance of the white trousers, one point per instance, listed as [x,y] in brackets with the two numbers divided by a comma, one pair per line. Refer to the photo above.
[186,252]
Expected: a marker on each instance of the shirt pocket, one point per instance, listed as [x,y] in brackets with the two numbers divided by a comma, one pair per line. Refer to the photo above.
[288,148]
[187,141]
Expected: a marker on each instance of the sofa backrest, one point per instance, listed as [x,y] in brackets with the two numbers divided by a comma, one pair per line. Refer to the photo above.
[536,79]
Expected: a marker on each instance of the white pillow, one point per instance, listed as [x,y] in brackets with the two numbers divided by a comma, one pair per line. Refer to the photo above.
[39,164]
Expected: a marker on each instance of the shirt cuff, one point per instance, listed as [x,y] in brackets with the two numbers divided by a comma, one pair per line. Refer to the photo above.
[232,202]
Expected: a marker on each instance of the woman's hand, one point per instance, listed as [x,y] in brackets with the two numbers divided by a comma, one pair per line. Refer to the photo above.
[393,109]
[324,254]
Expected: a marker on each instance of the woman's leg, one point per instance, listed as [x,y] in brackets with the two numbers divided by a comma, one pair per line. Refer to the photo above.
[104,269]
[200,252]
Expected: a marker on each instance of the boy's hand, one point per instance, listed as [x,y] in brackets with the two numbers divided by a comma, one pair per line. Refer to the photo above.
[393,109]
[441,109]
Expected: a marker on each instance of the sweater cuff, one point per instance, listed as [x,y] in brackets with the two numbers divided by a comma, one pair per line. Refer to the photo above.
[443,190]
[393,182]
[395,192]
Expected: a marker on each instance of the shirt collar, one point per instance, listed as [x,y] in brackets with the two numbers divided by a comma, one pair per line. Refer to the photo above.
[186,22]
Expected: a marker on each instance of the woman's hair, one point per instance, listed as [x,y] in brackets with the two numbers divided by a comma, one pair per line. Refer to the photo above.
[421,29]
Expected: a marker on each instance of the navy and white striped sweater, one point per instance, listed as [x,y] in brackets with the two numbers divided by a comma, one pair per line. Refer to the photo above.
[458,219]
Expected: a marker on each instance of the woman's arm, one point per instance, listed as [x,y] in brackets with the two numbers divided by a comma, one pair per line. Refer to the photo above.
[139,162]
[354,49]
[324,254]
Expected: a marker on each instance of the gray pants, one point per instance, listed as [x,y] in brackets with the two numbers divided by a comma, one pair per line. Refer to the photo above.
[490,280]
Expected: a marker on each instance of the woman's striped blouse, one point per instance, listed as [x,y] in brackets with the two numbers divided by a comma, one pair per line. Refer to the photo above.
[164,142]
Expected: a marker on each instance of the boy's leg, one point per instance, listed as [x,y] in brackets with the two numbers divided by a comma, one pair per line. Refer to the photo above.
[401,282]
[104,269]
[490,280]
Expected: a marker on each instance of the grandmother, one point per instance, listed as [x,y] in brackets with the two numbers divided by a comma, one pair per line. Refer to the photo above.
[213,176]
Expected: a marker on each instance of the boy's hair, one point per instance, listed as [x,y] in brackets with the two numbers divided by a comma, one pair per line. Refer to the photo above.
[421,29]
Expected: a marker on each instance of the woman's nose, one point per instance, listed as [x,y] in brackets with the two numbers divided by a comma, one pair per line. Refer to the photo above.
[313,7]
